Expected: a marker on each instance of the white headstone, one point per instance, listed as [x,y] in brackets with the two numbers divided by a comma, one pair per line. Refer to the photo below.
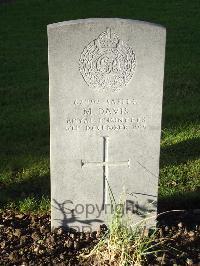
[106,86]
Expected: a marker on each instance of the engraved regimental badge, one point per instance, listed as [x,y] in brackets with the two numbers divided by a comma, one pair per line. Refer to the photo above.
[107,64]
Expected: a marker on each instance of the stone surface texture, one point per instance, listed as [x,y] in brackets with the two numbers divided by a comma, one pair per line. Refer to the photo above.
[106,86]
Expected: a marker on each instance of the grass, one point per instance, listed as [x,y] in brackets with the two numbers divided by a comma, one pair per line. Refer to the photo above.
[123,245]
[24,115]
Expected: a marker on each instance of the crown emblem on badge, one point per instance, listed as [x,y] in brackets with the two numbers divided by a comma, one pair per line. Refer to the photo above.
[108,39]
[106,63]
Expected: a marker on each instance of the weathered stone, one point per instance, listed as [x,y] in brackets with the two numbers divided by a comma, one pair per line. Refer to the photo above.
[106,83]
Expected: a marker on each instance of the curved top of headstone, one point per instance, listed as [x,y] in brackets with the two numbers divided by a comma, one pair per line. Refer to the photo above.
[105,91]
[92,20]
[107,61]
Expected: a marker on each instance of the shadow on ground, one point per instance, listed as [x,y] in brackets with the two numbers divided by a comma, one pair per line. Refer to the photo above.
[180,152]
[35,187]
[180,201]
[187,181]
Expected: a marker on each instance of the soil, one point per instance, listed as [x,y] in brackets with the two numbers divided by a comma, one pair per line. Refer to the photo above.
[26,239]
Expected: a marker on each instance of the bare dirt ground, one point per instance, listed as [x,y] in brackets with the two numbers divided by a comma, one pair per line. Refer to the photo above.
[26,239]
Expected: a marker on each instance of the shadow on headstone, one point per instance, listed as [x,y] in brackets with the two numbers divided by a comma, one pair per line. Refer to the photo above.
[69,217]
[142,210]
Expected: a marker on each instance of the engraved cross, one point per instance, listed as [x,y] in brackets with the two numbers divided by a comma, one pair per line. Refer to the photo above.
[105,164]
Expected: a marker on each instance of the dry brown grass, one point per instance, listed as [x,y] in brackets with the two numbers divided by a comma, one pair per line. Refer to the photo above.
[125,245]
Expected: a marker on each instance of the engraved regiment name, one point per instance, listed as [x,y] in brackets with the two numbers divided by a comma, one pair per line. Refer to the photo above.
[107,64]
[107,115]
